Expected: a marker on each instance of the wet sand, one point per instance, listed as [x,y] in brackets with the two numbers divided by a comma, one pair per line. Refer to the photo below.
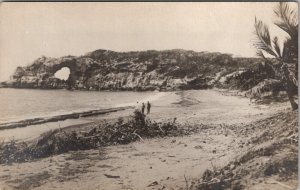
[160,163]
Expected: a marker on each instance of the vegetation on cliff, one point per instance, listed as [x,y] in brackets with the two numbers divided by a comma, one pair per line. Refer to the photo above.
[145,70]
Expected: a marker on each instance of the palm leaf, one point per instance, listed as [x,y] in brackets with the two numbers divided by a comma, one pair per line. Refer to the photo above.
[276,46]
[288,19]
[259,53]
[263,41]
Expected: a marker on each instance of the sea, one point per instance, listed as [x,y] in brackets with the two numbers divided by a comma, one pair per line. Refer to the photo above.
[22,104]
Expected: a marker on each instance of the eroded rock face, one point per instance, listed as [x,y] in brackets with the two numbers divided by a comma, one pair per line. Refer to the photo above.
[109,70]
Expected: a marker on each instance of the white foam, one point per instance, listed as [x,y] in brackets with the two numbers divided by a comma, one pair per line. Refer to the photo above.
[150,98]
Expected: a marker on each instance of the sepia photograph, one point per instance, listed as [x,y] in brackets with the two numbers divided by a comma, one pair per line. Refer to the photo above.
[149,95]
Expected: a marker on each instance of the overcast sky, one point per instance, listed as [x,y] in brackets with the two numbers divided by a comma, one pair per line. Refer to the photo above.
[30,30]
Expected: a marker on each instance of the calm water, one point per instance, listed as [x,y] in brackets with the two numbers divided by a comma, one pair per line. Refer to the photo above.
[18,104]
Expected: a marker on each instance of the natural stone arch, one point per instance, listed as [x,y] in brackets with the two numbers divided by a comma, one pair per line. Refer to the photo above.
[69,63]
[63,73]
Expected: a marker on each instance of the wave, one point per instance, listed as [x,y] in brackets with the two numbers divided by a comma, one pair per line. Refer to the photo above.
[151,98]
[63,114]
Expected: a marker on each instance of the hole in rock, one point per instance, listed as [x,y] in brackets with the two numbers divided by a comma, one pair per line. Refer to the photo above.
[63,73]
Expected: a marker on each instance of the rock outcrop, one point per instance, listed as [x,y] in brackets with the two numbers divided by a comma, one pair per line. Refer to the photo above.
[145,70]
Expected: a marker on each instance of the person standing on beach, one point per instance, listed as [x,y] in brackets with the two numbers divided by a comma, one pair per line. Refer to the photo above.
[148,107]
[137,106]
[143,107]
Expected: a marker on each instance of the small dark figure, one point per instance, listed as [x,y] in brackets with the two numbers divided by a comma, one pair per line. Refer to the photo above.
[143,107]
[148,107]
[137,105]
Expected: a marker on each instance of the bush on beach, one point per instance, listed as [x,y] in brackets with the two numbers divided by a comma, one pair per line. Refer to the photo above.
[58,141]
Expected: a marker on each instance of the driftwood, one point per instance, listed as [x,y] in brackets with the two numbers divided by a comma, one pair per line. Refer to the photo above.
[60,141]
[138,136]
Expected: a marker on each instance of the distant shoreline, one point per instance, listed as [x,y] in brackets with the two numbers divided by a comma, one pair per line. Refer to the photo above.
[95,90]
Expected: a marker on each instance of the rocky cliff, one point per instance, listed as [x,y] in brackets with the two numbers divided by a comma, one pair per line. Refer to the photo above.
[145,70]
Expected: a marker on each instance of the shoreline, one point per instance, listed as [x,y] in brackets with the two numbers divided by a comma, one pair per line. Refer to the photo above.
[86,110]
[191,106]
[62,117]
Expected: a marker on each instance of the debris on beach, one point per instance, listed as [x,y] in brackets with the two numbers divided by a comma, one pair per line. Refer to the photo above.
[273,155]
[138,127]
[112,176]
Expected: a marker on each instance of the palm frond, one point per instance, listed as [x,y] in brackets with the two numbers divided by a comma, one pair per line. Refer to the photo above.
[259,53]
[288,19]
[276,46]
[263,41]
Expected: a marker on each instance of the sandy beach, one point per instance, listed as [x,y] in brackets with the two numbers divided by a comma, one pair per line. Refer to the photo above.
[159,163]
[77,81]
